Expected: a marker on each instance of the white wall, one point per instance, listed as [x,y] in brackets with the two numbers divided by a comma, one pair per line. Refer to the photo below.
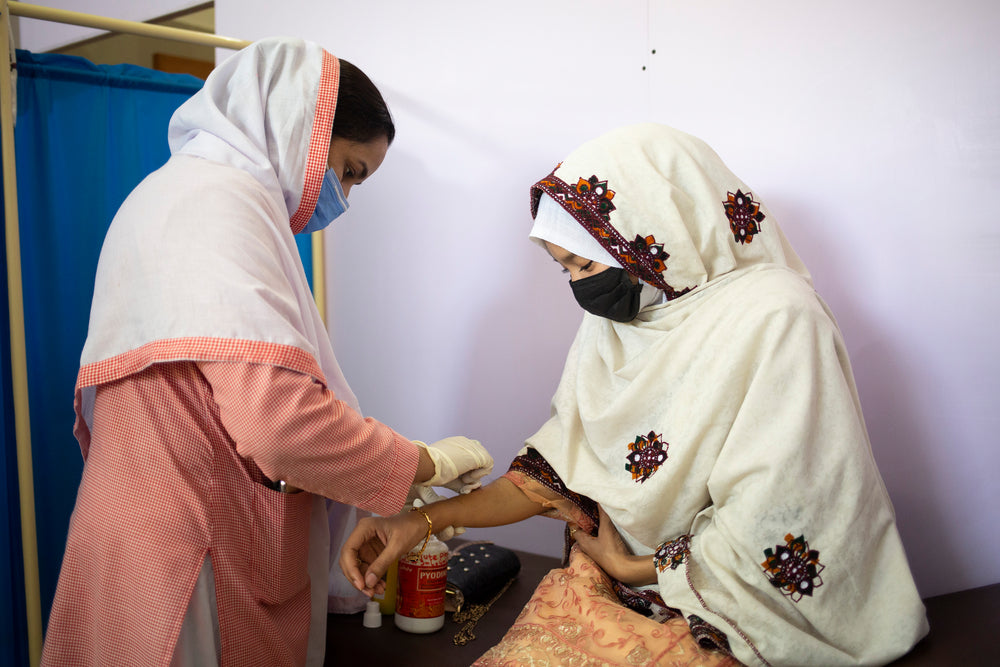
[871,131]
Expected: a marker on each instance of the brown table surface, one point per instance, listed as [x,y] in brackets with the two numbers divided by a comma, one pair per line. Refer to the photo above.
[349,643]
[965,630]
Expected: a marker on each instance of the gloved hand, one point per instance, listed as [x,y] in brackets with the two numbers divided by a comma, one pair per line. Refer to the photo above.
[459,463]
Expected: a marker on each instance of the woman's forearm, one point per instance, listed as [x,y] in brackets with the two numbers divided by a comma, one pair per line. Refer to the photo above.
[497,504]
[637,571]
[378,541]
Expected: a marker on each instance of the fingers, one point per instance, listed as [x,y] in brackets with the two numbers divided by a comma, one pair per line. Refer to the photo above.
[350,553]
[349,565]
[369,551]
[604,518]
[469,481]
[364,559]
[376,571]
[586,543]
[445,533]
[374,544]
[427,495]
[475,475]
[456,456]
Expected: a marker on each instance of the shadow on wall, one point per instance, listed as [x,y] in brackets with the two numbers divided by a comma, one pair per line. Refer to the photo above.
[512,372]
[459,319]
[900,441]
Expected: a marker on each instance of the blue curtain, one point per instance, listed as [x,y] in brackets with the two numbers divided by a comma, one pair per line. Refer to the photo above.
[13,623]
[85,136]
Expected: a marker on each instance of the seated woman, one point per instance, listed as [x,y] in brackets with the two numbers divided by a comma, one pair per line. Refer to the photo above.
[706,444]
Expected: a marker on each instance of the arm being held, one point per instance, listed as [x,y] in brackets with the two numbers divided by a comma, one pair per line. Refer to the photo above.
[609,551]
[377,542]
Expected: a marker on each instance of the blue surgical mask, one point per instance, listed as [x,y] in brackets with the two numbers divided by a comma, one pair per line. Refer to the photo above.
[330,205]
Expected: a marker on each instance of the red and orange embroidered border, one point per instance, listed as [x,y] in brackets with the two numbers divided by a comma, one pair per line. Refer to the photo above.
[590,202]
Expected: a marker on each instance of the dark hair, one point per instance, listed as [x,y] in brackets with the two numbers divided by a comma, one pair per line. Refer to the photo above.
[361,114]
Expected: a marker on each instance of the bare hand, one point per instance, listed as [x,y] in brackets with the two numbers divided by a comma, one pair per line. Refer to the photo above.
[611,553]
[376,543]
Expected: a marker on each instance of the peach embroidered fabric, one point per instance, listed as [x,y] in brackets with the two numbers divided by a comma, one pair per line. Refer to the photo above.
[574,618]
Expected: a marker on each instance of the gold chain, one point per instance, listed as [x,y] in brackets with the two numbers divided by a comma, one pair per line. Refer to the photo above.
[471,615]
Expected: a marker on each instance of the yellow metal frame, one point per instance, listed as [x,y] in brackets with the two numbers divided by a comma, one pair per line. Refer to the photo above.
[319,274]
[119,25]
[18,354]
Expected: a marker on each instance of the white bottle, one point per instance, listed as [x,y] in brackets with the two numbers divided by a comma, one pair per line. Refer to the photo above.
[373,615]
[420,587]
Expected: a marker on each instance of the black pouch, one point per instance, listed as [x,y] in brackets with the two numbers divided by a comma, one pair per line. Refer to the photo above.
[478,574]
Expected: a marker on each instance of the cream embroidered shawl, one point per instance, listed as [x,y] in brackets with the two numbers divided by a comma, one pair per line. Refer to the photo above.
[722,430]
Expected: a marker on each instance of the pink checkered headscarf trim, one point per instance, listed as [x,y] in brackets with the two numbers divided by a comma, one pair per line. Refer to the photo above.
[200,349]
[319,141]
[189,349]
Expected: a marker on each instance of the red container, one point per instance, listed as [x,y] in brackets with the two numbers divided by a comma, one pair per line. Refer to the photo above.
[420,589]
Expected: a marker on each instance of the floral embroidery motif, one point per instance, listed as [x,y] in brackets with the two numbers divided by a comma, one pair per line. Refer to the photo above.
[595,193]
[744,216]
[646,455]
[707,635]
[648,247]
[672,554]
[590,202]
[793,567]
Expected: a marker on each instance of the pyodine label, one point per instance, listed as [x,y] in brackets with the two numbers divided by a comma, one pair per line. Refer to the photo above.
[420,591]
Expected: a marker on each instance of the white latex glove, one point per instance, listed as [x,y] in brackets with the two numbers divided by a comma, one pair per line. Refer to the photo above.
[459,463]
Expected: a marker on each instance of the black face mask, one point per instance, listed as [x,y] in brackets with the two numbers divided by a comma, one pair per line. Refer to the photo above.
[609,294]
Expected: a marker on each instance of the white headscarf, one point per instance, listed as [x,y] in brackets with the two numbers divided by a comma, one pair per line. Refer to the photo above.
[723,427]
[555,225]
[200,263]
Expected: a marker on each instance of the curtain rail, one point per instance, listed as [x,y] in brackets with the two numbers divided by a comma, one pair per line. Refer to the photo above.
[120,25]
